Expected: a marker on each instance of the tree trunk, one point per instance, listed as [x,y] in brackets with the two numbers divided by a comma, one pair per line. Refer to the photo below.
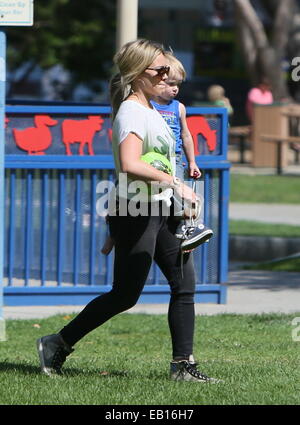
[268,56]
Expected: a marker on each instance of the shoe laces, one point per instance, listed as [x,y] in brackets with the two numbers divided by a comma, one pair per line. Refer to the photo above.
[187,231]
[192,369]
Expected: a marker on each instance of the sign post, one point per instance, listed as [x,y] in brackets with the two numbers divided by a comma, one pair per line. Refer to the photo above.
[12,13]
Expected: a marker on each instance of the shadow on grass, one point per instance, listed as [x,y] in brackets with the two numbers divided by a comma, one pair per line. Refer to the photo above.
[27,369]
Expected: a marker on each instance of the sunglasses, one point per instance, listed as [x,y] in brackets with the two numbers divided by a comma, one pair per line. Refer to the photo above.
[161,70]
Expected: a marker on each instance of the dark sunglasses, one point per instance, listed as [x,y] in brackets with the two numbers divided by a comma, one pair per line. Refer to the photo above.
[161,70]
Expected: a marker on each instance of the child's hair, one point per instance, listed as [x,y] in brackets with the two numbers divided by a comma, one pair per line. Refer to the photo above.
[132,59]
[176,67]
[215,92]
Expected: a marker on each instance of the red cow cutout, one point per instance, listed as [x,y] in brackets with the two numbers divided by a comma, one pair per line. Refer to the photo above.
[81,131]
[199,125]
[36,139]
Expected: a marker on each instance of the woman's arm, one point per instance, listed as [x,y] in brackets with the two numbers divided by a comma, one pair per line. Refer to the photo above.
[130,151]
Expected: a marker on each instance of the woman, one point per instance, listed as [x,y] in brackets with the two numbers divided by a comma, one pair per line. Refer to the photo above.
[137,129]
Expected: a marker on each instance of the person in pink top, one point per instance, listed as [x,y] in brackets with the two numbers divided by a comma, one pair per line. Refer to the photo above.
[261,95]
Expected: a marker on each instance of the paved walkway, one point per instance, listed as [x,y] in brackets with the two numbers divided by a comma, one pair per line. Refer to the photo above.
[249,292]
[268,213]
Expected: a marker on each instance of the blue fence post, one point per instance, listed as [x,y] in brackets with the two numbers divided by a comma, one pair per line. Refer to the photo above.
[2,183]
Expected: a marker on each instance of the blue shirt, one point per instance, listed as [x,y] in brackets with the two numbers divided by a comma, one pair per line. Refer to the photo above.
[171,115]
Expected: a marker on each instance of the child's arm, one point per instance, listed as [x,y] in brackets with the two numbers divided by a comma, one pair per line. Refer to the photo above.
[188,143]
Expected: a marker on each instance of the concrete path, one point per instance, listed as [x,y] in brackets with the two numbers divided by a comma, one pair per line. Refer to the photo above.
[268,213]
[249,292]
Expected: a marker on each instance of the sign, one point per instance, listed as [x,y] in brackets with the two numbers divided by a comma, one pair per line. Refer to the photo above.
[16,12]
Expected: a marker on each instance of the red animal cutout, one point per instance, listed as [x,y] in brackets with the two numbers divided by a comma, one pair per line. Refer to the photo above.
[199,125]
[81,131]
[36,139]
[6,121]
[109,132]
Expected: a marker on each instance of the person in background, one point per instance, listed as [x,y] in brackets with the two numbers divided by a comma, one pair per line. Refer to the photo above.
[261,95]
[216,95]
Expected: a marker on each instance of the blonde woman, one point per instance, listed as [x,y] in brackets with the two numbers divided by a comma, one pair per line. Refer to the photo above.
[137,129]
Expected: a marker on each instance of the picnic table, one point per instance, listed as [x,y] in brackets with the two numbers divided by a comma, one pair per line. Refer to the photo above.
[276,129]
[241,134]
[288,137]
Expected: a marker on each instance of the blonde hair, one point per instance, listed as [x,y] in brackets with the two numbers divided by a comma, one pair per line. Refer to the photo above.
[176,67]
[215,92]
[131,60]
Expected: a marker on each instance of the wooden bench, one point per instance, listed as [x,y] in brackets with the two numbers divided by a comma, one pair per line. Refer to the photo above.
[280,140]
[241,133]
[290,136]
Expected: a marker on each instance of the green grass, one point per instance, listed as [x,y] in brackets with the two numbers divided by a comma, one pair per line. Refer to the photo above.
[265,189]
[255,228]
[126,361]
[285,265]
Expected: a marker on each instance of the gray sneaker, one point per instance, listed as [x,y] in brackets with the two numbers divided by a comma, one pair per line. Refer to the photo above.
[187,371]
[52,351]
[194,236]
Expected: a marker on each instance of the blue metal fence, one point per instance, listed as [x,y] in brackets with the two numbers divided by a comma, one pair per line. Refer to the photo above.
[53,233]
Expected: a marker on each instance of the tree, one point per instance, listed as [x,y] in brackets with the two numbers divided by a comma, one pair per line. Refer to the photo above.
[264,49]
[79,35]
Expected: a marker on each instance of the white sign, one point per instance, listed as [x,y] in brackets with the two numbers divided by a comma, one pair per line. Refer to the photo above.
[16,12]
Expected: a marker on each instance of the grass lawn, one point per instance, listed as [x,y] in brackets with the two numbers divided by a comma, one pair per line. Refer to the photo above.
[265,189]
[126,361]
[255,228]
[286,265]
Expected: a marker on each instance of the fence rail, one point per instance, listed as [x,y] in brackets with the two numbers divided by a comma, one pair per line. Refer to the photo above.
[53,233]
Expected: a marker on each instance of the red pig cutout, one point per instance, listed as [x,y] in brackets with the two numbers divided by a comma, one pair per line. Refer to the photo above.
[82,132]
[199,125]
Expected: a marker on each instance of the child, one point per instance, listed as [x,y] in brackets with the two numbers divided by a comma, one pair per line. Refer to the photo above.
[216,95]
[174,114]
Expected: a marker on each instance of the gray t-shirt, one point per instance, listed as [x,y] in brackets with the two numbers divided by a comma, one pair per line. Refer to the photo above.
[149,126]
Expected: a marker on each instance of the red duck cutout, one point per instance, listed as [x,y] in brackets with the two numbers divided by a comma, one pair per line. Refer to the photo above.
[199,125]
[82,132]
[36,139]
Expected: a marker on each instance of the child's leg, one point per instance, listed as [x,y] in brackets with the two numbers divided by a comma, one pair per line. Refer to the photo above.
[108,245]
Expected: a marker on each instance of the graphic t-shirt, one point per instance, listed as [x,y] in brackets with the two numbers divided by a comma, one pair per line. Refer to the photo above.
[171,115]
[149,126]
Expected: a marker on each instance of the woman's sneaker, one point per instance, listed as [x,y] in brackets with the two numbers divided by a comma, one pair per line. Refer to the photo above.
[52,351]
[187,371]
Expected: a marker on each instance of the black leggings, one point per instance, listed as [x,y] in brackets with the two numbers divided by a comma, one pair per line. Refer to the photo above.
[139,240]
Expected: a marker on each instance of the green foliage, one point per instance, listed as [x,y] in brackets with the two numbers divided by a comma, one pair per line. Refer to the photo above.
[78,34]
